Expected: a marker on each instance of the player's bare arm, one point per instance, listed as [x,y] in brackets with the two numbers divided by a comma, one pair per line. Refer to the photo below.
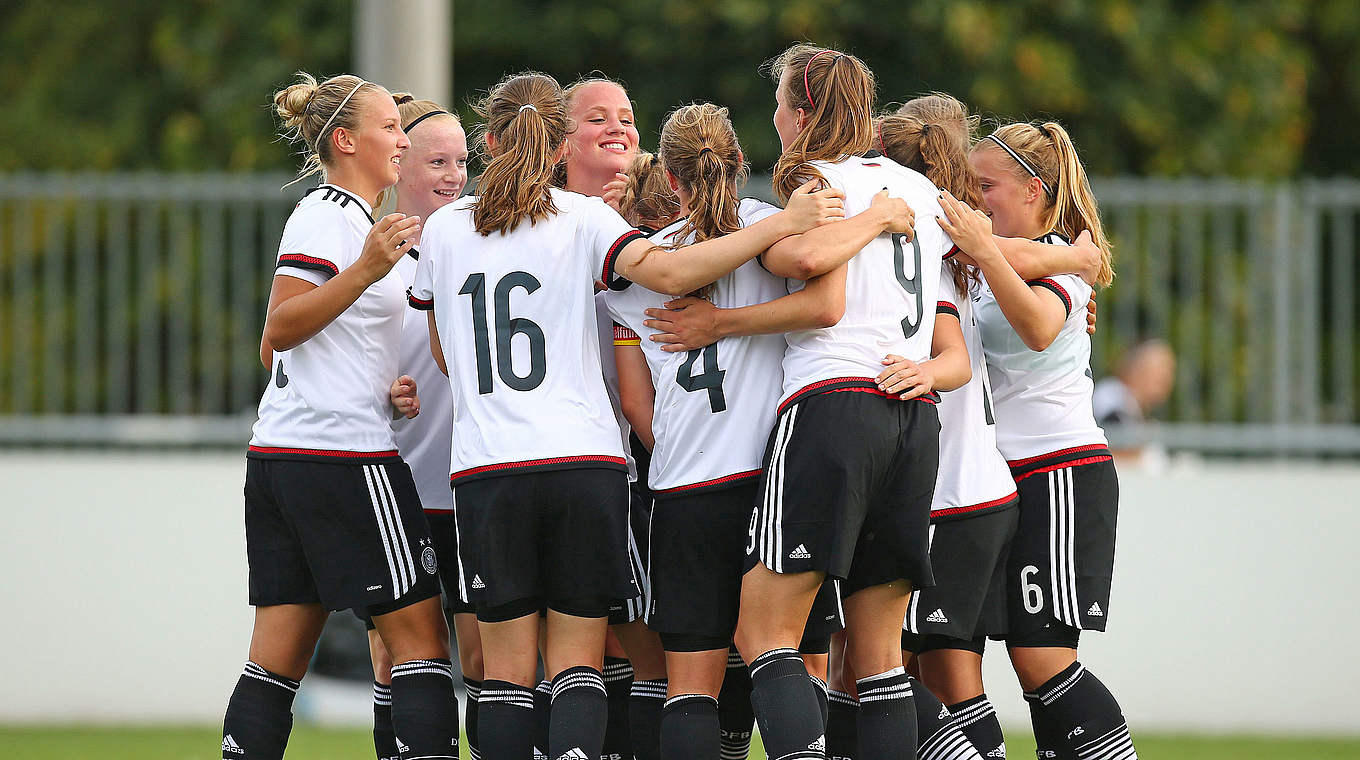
[818,251]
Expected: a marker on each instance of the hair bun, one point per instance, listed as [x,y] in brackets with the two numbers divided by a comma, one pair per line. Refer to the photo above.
[292,101]
[403,97]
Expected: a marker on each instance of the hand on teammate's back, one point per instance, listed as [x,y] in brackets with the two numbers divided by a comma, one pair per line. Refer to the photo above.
[970,229]
[685,324]
[901,219]
[403,396]
[905,377]
[1092,255]
[808,208]
[386,243]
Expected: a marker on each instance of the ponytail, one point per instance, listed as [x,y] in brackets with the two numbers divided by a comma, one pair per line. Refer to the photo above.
[836,93]
[648,200]
[699,147]
[1071,207]
[931,134]
[526,116]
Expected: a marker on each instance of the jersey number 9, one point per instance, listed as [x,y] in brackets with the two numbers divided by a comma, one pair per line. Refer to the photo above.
[506,330]
[910,284]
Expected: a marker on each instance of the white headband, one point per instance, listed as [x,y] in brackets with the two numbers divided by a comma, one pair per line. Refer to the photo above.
[322,134]
[1023,163]
[528,105]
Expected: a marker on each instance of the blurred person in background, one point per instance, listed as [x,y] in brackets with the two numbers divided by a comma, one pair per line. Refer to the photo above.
[1124,401]
[333,517]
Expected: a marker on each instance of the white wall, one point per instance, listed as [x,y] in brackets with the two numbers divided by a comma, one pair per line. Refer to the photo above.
[1234,602]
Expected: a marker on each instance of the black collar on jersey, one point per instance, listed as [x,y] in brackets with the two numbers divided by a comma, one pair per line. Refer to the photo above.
[1044,237]
[333,193]
[423,117]
[871,154]
[413,253]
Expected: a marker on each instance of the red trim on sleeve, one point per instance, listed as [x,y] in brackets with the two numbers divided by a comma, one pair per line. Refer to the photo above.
[953,249]
[607,276]
[945,307]
[1051,284]
[303,261]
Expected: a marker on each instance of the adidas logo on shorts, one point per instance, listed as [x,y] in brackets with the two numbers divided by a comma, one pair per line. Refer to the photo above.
[998,752]
[229,745]
[575,753]
[819,745]
[800,553]
[477,582]
[401,747]
[540,754]
[937,616]
[1095,610]
[944,713]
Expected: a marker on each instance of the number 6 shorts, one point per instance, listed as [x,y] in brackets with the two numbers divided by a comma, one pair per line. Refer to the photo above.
[1062,556]
[846,489]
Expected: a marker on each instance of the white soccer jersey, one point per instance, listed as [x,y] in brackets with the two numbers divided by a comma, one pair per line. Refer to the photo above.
[1042,398]
[715,406]
[973,476]
[516,319]
[604,323]
[890,293]
[424,441]
[328,397]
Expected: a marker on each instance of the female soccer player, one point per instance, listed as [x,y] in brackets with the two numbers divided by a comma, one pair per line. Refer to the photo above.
[333,519]
[541,494]
[434,173]
[1038,359]
[706,415]
[850,468]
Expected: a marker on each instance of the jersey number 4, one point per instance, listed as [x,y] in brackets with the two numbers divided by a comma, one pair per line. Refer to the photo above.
[910,284]
[506,330]
[711,380]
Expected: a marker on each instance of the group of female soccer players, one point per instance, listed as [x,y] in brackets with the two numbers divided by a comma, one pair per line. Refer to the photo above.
[868,410]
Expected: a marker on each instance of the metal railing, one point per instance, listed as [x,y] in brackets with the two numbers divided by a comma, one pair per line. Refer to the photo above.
[131,305]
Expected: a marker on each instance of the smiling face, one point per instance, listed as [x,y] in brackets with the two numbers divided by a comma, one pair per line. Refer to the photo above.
[378,143]
[605,139]
[1014,199]
[785,116]
[434,169]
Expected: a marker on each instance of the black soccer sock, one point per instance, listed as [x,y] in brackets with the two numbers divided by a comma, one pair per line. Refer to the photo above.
[887,717]
[842,726]
[735,716]
[384,739]
[938,736]
[474,692]
[1086,714]
[645,702]
[259,715]
[580,711]
[819,686]
[976,718]
[505,720]
[425,709]
[618,681]
[785,704]
[1048,737]
[542,719]
[689,728]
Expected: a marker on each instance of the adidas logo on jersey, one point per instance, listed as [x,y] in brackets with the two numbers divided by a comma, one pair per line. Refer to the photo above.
[1095,610]
[937,616]
[800,553]
[819,745]
[477,582]
[575,753]
[229,745]
[998,752]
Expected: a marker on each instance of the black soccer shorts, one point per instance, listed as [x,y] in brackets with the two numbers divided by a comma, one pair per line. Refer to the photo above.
[968,558]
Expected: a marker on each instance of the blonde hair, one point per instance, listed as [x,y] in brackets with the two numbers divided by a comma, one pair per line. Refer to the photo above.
[569,95]
[308,109]
[836,92]
[1069,204]
[932,134]
[412,108]
[526,114]
[648,198]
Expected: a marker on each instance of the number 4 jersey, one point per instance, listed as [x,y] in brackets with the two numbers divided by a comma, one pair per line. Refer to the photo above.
[516,319]
[891,288]
[714,406]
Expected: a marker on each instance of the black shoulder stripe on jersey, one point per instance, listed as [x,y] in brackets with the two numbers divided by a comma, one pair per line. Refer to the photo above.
[336,195]
[303,261]
[1059,290]
[945,307]
[613,281]
[413,253]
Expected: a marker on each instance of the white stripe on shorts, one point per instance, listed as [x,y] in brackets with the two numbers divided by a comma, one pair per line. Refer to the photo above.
[772,534]
[407,558]
[383,530]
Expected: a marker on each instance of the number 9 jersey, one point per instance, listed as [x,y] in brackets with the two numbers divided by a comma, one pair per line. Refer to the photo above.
[891,289]
[516,320]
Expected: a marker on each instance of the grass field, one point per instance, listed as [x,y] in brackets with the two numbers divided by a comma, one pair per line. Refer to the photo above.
[314,743]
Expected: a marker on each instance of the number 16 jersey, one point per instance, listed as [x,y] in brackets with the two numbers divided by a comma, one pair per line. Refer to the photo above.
[714,406]
[891,289]
[516,320]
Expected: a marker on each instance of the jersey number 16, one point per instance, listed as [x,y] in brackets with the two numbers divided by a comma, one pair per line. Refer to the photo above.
[506,330]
